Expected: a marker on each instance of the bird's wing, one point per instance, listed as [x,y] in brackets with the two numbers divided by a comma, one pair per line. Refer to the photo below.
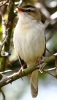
[45,48]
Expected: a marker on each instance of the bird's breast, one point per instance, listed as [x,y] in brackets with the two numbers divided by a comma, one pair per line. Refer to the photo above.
[29,42]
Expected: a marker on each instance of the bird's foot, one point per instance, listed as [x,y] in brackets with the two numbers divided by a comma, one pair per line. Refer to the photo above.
[41,66]
[40,63]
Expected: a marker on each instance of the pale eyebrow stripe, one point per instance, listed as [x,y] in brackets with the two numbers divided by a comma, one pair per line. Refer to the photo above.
[28,6]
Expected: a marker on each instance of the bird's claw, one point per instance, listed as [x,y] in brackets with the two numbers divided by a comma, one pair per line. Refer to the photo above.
[41,66]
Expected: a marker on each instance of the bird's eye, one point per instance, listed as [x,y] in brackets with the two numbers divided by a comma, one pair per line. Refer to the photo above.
[28,10]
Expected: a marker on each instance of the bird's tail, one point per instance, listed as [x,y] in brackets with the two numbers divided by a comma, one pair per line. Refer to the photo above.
[34,83]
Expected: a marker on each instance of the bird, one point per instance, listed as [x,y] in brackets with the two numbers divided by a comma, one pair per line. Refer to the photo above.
[29,41]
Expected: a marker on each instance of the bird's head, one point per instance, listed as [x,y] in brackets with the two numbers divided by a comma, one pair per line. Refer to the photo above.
[29,11]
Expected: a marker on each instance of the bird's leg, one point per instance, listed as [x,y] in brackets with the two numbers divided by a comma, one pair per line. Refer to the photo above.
[22,68]
[23,65]
[42,64]
[37,61]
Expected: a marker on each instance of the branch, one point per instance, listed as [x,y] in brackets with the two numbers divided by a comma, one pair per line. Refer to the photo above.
[2,44]
[9,26]
[3,3]
[9,79]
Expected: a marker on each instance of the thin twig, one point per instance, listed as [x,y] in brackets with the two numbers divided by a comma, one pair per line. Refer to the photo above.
[8,71]
[50,69]
[46,71]
[49,36]
[49,51]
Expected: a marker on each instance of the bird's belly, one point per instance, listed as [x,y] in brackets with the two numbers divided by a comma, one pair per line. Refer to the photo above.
[30,46]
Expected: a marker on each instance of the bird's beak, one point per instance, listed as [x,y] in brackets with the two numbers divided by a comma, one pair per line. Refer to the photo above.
[20,9]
